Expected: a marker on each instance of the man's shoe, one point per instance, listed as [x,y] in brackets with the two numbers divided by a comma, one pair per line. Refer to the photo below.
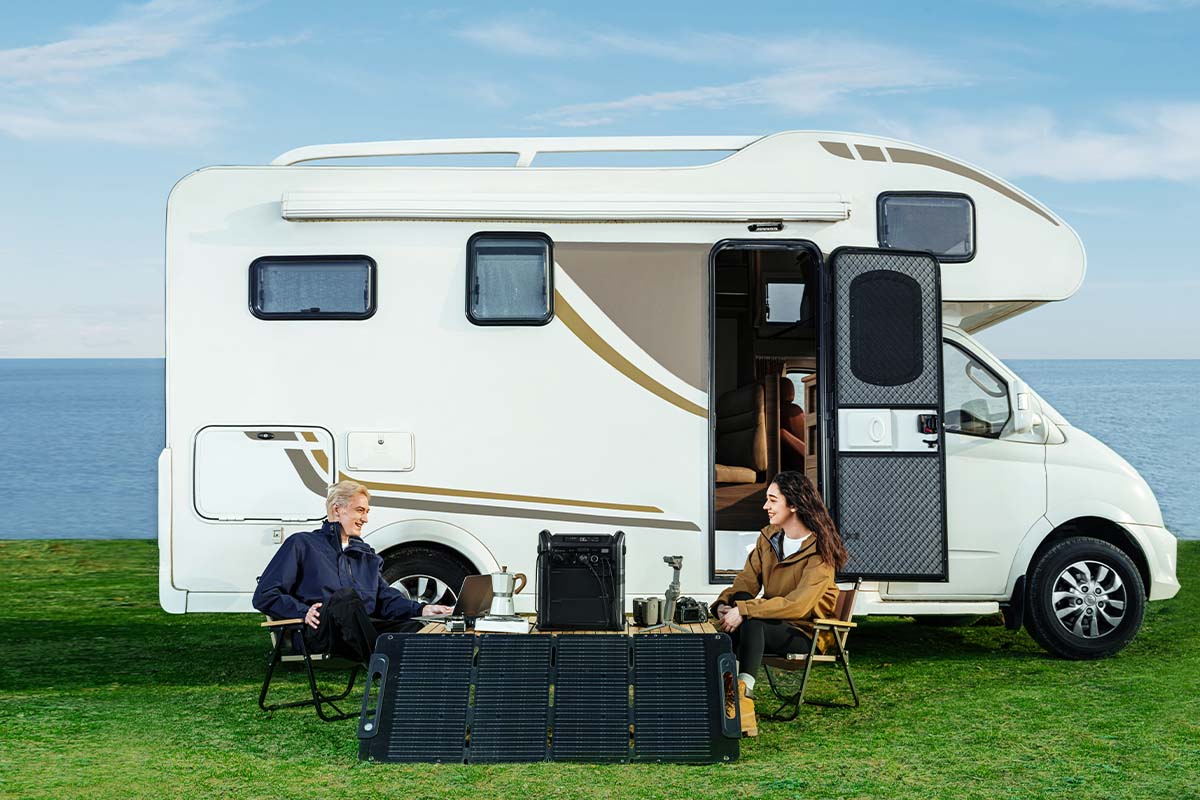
[746,705]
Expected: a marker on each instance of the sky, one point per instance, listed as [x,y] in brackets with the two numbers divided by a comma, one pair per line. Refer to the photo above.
[1091,106]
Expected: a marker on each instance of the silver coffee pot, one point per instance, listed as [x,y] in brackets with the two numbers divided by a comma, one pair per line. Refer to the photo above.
[504,587]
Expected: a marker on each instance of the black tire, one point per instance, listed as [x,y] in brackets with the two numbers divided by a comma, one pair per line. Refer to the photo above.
[426,574]
[1086,599]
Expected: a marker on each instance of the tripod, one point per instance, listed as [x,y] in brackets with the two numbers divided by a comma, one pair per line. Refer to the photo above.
[668,617]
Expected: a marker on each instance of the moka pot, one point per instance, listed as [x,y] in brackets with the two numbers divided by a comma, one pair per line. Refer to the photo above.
[504,587]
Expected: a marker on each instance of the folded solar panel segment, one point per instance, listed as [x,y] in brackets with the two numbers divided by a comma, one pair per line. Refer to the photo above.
[679,699]
[512,698]
[419,712]
[591,699]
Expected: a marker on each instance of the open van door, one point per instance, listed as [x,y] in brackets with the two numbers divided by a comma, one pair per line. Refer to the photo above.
[884,471]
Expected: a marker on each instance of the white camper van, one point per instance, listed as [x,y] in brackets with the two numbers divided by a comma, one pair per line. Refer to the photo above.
[598,349]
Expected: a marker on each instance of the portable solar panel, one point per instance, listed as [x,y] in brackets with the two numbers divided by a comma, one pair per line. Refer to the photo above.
[511,698]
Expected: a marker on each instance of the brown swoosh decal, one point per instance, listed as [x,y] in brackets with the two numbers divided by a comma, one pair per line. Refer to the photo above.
[308,476]
[902,155]
[516,498]
[584,332]
[839,149]
[313,482]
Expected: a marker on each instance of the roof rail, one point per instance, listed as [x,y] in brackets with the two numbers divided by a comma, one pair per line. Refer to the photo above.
[524,149]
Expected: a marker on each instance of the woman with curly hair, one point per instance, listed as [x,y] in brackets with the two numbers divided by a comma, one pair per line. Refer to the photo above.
[793,564]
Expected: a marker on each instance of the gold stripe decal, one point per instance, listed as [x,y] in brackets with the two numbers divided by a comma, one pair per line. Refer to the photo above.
[321,459]
[309,436]
[584,332]
[516,498]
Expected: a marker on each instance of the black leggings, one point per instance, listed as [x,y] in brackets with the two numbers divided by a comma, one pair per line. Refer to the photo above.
[345,630]
[757,636]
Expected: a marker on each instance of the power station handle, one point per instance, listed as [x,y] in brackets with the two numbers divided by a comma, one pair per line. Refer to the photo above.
[731,727]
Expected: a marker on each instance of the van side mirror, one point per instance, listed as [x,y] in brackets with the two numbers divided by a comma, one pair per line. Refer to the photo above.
[1020,398]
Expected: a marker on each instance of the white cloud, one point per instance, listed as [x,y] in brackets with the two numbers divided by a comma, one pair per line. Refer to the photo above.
[515,38]
[1137,142]
[783,72]
[150,75]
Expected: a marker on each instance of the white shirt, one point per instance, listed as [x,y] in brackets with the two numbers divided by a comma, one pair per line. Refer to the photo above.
[792,546]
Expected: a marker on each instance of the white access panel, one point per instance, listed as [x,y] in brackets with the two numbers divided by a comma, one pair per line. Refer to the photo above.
[251,472]
[890,430]
[380,451]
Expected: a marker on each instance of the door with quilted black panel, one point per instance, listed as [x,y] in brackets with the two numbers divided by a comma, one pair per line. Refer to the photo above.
[881,358]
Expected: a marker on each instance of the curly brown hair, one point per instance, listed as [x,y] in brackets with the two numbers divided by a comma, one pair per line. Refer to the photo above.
[802,497]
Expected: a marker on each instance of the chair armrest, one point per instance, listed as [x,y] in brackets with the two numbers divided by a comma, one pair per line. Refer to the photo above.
[835,623]
[278,623]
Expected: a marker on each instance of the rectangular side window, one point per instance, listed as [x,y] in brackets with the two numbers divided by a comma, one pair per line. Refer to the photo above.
[509,279]
[312,287]
[943,224]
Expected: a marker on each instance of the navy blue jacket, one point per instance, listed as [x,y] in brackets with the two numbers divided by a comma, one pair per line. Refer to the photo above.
[309,567]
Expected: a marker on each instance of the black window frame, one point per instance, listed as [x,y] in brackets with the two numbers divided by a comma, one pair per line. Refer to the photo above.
[470,279]
[1007,394]
[372,280]
[879,223]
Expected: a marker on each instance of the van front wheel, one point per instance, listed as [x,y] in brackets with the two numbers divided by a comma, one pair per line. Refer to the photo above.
[1086,599]
[426,574]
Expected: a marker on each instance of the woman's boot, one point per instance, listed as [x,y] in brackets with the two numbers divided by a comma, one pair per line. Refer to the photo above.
[746,706]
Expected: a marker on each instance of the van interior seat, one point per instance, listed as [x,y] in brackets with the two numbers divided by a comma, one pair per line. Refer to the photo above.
[741,446]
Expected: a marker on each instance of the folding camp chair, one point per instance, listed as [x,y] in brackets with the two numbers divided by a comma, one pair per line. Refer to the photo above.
[283,633]
[840,627]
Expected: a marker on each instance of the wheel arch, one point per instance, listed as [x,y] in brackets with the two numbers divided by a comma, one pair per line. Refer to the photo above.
[1097,528]
[436,535]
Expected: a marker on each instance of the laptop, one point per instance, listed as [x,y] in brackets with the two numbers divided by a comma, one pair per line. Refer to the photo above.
[474,599]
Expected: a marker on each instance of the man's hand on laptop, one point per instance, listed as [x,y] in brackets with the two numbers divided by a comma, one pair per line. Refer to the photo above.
[431,610]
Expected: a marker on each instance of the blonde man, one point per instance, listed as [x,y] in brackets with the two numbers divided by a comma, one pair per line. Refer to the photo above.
[332,579]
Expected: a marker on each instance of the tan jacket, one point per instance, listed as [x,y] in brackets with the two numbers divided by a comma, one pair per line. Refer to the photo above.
[799,588]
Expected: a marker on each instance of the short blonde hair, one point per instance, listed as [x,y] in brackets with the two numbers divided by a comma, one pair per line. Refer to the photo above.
[341,494]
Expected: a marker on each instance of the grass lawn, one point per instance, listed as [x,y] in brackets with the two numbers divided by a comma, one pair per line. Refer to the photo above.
[102,694]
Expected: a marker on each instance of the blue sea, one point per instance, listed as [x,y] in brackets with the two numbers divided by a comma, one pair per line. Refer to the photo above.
[82,437]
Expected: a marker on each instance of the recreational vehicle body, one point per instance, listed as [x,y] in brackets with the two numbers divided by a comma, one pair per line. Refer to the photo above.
[498,350]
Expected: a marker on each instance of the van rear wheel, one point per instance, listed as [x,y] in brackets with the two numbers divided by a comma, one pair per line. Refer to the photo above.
[426,574]
[1086,599]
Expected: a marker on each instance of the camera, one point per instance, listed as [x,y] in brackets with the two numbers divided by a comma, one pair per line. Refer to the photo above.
[689,609]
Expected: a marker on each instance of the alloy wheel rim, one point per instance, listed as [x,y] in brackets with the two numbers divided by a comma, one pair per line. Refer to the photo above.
[1089,599]
[426,589]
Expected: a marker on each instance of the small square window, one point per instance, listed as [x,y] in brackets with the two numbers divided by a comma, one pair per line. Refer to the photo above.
[509,279]
[943,224]
[312,287]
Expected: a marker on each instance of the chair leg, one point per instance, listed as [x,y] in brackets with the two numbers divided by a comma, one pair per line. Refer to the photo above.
[262,695]
[844,657]
[318,700]
[808,662]
[786,701]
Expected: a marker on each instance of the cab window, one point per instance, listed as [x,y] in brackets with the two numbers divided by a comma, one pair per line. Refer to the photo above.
[976,399]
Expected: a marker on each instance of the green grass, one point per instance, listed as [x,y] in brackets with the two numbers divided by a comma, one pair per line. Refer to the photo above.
[104,695]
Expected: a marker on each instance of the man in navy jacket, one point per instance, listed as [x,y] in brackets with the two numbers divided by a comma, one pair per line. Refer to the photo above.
[333,580]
